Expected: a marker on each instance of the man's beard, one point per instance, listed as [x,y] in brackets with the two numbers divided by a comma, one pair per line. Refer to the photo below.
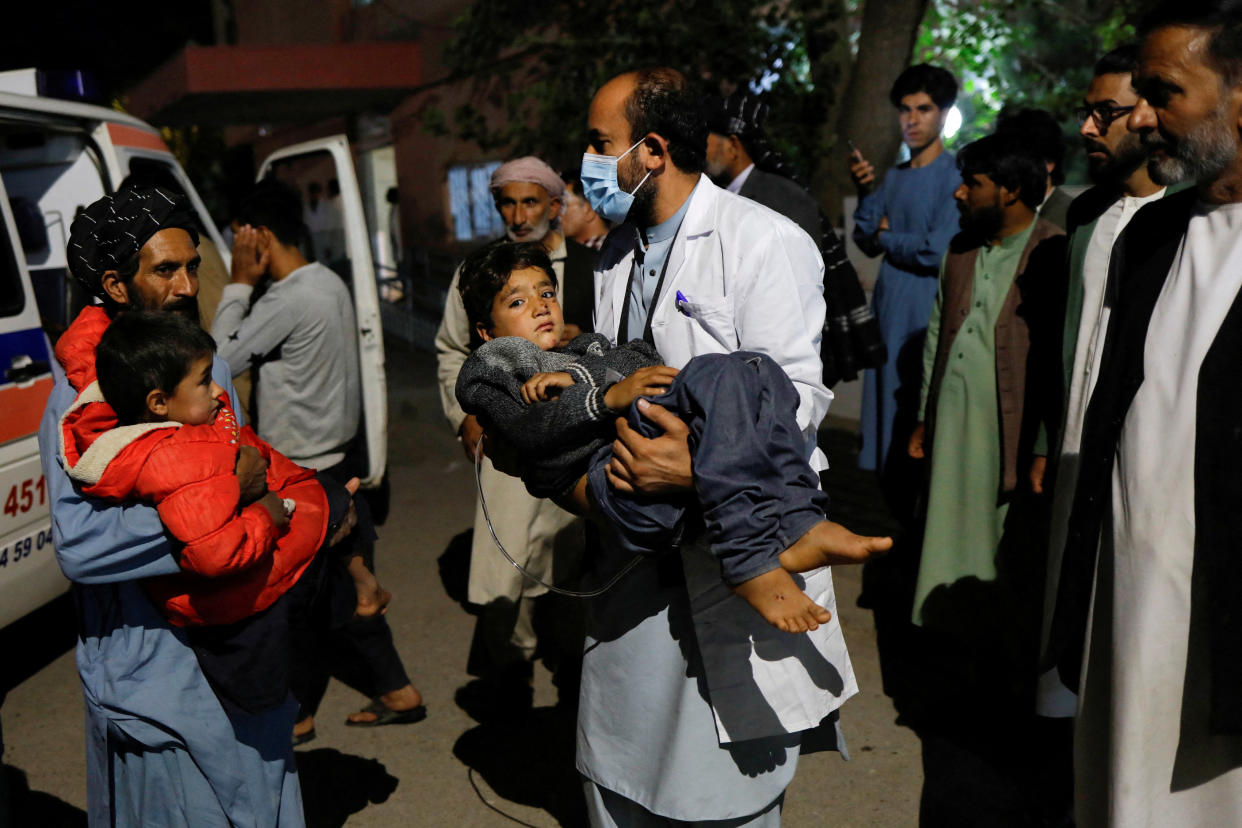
[984,223]
[642,211]
[1118,163]
[538,230]
[186,306]
[1201,155]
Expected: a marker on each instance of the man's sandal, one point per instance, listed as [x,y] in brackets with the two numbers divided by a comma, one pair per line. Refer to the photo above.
[385,715]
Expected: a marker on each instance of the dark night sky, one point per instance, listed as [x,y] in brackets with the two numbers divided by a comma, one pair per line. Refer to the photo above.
[118,42]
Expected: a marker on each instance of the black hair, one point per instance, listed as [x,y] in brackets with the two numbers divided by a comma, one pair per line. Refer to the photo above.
[276,206]
[661,102]
[142,351]
[1041,132]
[939,84]
[1223,18]
[1010,163]
[1120,61]
[486,271]
[573,181]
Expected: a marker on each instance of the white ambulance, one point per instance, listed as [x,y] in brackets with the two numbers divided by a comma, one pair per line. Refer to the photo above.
[56,157]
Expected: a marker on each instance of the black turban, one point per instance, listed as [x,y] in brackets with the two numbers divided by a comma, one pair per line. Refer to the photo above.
[743,114]
[111,231]
[738,114]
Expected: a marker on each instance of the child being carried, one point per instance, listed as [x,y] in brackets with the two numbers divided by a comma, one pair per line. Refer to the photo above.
[760,500]
[150,425]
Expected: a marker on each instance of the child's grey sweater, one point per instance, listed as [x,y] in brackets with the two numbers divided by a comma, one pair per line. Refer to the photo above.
[554,438]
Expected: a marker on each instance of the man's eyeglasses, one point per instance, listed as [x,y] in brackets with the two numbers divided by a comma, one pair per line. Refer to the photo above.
[1101,114]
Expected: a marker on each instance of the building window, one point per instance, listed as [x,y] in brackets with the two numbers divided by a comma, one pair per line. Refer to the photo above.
[470,200]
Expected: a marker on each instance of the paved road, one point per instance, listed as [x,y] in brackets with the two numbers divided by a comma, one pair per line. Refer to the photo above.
[449,770]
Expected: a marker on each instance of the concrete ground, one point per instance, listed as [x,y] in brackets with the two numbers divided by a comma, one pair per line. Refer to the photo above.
[450,770]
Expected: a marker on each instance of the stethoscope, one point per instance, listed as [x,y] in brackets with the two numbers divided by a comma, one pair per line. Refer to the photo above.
[478,481]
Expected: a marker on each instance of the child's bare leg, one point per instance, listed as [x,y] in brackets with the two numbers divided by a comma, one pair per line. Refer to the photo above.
[776,597]
[831,544]
[372,598]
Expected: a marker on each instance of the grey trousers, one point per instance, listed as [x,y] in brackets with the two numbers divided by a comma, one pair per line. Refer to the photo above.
[607,809]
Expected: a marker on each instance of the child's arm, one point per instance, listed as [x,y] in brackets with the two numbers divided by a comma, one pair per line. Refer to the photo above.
[197,494]
[645,382]
[540,387]
[281,471]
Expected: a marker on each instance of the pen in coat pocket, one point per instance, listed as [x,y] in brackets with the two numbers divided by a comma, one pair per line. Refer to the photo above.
[681,304]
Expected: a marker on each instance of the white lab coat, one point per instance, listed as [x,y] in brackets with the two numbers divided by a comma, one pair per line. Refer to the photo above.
[752,280]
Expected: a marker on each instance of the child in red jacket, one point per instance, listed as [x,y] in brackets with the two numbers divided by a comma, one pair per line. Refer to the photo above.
[154,427]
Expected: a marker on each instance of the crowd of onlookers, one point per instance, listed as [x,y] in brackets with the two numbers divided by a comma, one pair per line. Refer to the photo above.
[640,368]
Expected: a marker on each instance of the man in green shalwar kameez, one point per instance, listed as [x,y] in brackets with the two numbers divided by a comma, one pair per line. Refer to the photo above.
[974,364]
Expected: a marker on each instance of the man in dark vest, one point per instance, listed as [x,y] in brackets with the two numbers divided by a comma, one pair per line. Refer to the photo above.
[529,196]
[974,368]
[1146,625]
[974,601]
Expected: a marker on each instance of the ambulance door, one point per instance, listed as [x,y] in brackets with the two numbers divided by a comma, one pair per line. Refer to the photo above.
[340,240]
[29,574]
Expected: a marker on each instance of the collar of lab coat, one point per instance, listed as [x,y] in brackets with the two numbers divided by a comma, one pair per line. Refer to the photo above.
[698,225]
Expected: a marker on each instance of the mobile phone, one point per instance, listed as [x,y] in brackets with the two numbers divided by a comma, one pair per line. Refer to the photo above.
[853,149]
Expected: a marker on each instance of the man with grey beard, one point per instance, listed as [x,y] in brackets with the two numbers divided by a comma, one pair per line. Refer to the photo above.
[528,195]
[1145,624]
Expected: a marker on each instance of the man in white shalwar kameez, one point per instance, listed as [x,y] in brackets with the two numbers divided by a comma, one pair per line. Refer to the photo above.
[1149,580]
[1118,167]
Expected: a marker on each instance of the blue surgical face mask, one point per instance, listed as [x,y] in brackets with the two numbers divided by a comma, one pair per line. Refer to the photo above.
[600,187]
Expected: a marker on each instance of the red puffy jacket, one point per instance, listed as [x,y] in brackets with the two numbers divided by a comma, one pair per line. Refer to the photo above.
[235,563]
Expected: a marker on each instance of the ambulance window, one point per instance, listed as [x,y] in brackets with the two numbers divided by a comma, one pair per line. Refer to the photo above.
[12,297]
[50,173]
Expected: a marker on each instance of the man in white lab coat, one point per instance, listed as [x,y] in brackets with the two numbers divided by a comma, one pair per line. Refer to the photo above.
[681,721]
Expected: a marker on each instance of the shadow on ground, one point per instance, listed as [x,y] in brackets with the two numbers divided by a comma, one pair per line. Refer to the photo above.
[964,681]
[529,761]
[336,785]
[30,808]
[35,641]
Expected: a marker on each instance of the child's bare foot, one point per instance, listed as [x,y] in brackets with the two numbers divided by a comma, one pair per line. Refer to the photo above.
[373,599]
[831,544]
[776,597]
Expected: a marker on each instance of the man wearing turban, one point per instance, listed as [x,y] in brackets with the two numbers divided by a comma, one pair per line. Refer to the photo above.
[528,195]
[160,747]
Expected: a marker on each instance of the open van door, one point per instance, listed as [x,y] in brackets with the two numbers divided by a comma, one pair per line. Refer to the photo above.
[29,574]
[341,241]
